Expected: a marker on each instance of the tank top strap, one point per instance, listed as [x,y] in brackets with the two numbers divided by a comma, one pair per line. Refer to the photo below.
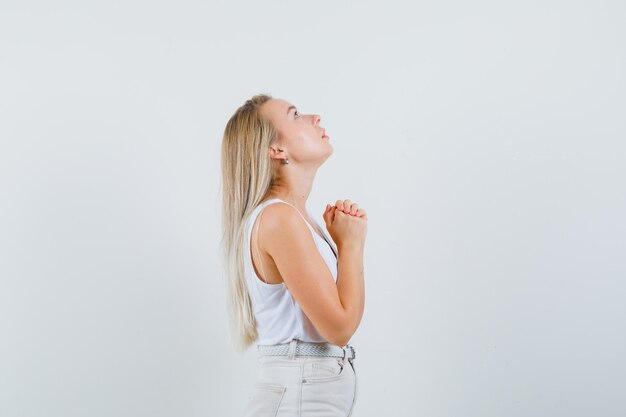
[257,211]
[272,200]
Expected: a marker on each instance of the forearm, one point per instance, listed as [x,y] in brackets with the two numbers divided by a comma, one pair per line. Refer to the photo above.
[351,285]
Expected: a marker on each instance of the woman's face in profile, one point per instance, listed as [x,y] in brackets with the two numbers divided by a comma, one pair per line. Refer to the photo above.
[300,135]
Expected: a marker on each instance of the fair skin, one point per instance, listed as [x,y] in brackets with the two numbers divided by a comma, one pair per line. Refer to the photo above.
[287,252]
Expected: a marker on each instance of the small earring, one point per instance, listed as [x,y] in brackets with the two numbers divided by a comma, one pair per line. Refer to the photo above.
[285,161]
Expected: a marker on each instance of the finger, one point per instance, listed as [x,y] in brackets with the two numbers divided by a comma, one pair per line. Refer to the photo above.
[338,214]
[353,208]
[343,205]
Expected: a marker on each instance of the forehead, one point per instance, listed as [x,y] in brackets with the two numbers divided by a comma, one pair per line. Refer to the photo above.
[276,108]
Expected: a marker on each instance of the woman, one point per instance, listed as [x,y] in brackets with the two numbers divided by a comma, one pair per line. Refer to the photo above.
[291,290]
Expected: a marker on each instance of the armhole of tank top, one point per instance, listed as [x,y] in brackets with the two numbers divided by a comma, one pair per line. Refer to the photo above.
[257,223]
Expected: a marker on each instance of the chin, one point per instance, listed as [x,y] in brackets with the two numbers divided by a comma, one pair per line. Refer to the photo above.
[325,157]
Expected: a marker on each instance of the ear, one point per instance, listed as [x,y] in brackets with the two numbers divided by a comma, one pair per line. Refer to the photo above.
[277,152]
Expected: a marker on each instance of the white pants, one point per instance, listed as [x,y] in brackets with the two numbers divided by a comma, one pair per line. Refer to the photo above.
[303,386]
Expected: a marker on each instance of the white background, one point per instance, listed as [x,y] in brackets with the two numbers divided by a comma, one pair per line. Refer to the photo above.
[485,140]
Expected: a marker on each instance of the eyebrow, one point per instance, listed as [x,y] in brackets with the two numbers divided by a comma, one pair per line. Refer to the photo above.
[289,109]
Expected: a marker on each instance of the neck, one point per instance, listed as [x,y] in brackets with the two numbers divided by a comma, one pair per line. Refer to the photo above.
[295,194]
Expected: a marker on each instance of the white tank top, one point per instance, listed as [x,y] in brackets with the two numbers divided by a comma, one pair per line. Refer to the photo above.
[278,316]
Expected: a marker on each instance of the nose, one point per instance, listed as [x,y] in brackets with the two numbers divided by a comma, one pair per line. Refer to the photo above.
[316,119]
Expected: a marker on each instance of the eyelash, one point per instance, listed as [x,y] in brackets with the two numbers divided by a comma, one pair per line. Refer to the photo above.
[296,113]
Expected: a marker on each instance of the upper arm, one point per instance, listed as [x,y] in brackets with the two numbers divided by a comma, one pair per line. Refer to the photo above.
[286,237]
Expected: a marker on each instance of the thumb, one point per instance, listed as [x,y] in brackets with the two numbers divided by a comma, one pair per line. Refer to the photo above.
[329,215]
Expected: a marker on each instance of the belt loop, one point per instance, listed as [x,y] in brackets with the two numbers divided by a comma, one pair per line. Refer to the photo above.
[353,353]
[292,348]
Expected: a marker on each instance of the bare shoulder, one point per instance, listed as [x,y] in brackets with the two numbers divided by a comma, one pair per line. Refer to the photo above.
[280,227]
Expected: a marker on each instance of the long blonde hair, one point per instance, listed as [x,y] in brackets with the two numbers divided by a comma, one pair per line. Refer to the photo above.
[246,179]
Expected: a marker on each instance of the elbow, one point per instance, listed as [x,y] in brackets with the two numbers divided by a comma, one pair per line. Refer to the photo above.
[341,332]
[338,342]
[341,339]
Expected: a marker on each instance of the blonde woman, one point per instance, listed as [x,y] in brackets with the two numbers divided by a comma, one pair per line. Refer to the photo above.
[291,289]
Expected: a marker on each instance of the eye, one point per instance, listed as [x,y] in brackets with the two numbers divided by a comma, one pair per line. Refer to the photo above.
[296,113]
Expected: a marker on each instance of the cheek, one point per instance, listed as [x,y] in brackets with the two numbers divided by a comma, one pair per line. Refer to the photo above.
[315,142]
[306,139]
